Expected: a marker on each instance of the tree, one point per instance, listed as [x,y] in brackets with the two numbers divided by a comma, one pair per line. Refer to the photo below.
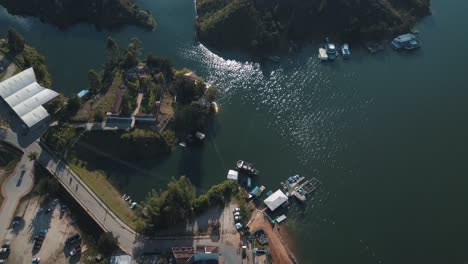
[107,243]
[94,81]
[211,94]
[191,118]
[15,41]
[33,156]
[163,64]
[73,105]
[98,117]
[135,47]
[186,90]
[130,60]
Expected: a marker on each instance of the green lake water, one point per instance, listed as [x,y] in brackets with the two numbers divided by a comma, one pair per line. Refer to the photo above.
[386,134]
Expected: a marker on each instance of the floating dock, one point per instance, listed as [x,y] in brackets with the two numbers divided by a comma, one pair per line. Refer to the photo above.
[299,187]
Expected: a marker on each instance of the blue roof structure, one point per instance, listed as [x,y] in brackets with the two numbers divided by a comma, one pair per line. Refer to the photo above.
[82,93]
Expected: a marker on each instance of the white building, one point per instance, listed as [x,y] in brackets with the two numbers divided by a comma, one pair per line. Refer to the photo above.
[276,200]
[26,97]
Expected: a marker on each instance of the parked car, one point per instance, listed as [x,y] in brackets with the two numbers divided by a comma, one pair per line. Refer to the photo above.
[6,245]
[237,218]
[38,244]
[75,251]
[73,239]
[4,250]
[36,260]
[16,221]
[235,210]
[237,214]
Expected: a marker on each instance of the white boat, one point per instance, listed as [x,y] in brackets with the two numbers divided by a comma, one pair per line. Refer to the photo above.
[345,51]
[183,144]
[200,135]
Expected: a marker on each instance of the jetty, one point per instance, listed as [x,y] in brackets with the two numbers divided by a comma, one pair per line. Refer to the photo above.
[299,187]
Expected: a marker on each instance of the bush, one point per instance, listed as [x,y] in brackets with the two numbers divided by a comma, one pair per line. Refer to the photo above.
[98,116]
[107,244]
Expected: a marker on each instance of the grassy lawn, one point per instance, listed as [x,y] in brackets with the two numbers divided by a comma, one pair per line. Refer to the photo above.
[101,104]
[97,181]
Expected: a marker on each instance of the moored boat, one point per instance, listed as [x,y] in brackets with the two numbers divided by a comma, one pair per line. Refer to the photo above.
[331,51]
[246,167]
[345,51]
[406,41]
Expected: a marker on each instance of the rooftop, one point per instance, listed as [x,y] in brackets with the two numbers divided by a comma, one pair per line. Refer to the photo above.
[276,200]
[26,97]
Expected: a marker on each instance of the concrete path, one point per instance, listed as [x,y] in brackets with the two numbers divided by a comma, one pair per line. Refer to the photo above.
[9,71]
[18,184]
[139,100]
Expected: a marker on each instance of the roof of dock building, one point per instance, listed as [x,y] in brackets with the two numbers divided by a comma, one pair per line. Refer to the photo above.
[276,200]
[26,97]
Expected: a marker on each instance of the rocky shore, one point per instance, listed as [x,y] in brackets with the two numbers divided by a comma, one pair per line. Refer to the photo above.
[104,14]
[262,26]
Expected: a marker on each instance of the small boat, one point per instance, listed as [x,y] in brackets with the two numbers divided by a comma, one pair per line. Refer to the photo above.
[331,51]
[246,167]
[183,144]
[323,54]
[249,182]
[406,41]
[200,136]
[345,51]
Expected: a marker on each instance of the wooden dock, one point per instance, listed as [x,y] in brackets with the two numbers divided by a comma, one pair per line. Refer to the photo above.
[303,187]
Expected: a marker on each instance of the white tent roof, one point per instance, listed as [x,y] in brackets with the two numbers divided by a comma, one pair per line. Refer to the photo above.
[123,259]
[275,200]
[26,97]
[233,175]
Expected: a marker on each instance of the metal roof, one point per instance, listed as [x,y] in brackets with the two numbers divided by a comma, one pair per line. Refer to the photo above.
[276,200]
[26,97]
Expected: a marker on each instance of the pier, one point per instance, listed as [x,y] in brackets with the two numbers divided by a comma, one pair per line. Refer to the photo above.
[301,187]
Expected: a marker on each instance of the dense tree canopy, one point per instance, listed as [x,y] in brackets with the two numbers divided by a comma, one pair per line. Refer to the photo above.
[15,41]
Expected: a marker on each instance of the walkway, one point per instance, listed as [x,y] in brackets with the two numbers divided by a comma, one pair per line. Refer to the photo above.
[10,70]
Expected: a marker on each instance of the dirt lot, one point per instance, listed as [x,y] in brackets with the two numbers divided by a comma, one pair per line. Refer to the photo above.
[279,252]
[35,219]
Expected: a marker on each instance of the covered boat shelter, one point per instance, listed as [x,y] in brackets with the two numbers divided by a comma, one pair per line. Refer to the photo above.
[276,200]
[26,97]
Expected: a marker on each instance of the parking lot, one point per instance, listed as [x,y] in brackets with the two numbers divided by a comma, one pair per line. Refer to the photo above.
[52,226]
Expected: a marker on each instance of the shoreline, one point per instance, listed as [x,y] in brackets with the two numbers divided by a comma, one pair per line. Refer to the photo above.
[278,241]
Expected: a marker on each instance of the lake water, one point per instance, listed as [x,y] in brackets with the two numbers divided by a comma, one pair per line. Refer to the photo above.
[386,134]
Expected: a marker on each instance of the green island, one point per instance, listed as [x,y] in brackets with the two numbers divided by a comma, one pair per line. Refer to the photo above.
[261,26]
[66,13]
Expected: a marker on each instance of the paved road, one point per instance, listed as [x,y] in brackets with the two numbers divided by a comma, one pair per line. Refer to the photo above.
[16,186]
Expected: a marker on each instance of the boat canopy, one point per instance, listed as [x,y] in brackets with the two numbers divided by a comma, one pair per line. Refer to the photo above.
[233,175]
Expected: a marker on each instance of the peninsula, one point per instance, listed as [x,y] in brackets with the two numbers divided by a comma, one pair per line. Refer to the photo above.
[259,26]
[66,13]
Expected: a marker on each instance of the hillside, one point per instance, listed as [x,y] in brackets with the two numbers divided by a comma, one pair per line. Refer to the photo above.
[65,13]
[271,24]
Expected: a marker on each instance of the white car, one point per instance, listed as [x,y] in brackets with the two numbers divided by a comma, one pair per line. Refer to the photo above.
[239,226]
[235,210]
[237,214]
[237,218]
[36,261]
